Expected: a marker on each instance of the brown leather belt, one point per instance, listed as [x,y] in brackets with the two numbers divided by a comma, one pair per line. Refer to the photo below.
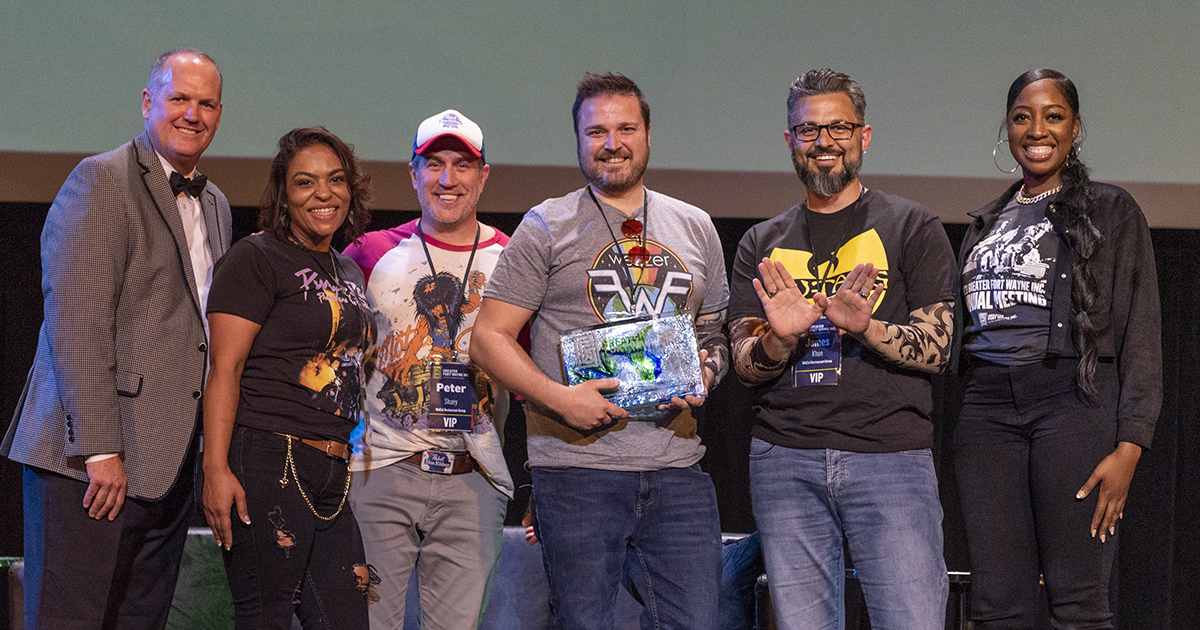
[332,448]
[463,462]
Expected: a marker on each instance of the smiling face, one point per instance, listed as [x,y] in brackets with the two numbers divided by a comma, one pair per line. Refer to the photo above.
[448,184]
[182,110]
[613,142]
[318,196]
[1041,128]
[827,166]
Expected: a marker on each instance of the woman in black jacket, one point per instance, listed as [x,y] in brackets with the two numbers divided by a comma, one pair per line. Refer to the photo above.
[1060,339]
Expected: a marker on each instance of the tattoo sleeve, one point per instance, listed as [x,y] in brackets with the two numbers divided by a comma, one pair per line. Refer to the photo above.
[750,360]
[923,344]
[710,335]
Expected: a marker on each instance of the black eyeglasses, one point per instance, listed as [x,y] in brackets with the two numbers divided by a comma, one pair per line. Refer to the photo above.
[837,131]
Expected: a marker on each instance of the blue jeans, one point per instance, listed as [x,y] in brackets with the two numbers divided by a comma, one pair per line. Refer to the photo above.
[656,532]
[886,508]
[742,564]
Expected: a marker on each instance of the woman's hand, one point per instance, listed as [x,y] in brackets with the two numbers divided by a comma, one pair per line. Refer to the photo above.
[222,490]
[230,339]
[1113,475]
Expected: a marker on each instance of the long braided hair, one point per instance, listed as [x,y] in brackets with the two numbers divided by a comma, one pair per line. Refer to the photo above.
[1081,234]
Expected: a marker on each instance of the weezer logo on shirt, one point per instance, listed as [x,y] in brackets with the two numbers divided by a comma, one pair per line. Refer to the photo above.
[864,248]
[662,286]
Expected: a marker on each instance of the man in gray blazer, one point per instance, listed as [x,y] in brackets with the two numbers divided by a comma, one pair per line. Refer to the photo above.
[107,425]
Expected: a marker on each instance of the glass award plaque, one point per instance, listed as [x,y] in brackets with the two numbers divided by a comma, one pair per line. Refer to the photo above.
[654,358]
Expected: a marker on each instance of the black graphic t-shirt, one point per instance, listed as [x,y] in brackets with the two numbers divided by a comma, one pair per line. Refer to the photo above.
[875,407]
[1007,286]
[302,376]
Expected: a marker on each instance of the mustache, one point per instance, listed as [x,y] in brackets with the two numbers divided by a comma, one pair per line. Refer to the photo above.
[814,153]
[604,154]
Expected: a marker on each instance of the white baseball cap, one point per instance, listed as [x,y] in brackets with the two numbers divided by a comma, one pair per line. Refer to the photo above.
[449,123]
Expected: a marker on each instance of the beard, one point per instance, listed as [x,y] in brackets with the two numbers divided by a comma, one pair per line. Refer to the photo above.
[827,183]
[614,182]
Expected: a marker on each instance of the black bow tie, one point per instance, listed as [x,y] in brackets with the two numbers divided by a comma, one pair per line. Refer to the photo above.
[193,187]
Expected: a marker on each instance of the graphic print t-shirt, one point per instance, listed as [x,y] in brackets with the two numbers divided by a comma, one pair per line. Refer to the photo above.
[302,376]
[876,406]
[562,264]
[1007,286]
[415,311]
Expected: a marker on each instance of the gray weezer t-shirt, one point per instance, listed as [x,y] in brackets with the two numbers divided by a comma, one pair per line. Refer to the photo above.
[563,264]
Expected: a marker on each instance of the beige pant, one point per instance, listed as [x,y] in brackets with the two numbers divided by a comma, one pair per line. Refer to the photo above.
[448,526]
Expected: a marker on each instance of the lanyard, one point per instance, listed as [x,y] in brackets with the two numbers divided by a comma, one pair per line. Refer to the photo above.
[833,255]
[616,244]
[452,322]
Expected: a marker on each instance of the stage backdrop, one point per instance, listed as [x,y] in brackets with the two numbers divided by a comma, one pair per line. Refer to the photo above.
[715,72]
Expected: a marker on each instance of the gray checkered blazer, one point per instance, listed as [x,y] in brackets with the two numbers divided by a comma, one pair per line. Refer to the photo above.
[121,353]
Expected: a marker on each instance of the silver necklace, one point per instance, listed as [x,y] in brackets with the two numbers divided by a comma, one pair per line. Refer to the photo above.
[1025,200]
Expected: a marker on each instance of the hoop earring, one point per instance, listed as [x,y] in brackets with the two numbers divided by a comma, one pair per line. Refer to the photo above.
[996,158]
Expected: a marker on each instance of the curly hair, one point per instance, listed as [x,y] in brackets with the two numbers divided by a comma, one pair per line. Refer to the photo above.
[1081,233]
[272,211]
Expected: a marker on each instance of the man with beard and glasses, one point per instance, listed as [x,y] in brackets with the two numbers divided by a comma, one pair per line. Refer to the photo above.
[840,310]
[618,498]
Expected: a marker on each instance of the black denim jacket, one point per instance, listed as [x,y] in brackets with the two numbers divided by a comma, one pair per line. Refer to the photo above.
[1127,313]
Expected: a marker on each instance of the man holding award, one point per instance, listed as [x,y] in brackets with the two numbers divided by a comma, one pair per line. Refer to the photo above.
[618,496]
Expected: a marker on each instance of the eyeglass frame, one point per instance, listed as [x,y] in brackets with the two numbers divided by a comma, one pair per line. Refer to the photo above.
[828,129]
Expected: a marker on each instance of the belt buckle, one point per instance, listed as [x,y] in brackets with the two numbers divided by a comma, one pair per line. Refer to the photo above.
[439,462]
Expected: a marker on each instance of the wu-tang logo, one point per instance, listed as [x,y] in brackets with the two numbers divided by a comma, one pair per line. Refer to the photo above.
[864,248]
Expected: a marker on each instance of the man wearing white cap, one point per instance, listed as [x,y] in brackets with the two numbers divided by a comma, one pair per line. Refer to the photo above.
[431,485]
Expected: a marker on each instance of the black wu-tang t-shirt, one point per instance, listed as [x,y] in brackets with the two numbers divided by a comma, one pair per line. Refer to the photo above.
[302,376]
[875,407]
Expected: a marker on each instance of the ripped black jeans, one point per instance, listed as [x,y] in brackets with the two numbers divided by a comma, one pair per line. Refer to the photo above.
[287,560]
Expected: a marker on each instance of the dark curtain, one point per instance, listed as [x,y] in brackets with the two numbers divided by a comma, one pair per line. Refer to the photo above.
[1158,575]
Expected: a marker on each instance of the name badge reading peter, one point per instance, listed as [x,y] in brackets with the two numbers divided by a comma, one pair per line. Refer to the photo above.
[822,364]
[452,399]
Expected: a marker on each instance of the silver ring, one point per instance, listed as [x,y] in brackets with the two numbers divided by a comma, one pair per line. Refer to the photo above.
[771,294]
[863,295]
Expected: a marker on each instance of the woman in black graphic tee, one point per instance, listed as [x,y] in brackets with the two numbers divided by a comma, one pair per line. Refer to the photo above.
[290,327]
[1060,333]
